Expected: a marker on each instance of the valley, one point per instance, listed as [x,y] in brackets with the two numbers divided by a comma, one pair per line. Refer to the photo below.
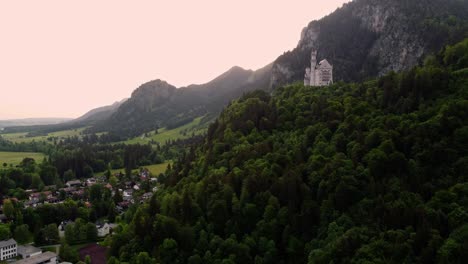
[350,148]
[26,137]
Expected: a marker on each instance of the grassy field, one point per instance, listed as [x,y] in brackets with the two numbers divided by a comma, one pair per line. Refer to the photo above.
[16,157]
[158,168]
[155,169]
[21,137]
[164,135]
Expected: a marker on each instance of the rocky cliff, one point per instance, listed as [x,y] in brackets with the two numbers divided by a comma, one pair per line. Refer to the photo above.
[367,38]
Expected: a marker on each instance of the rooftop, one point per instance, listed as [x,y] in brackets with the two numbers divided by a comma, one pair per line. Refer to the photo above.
[37,259]
[28,250]
[9,242]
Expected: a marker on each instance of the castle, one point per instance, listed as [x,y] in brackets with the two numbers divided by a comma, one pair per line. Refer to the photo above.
[320,74]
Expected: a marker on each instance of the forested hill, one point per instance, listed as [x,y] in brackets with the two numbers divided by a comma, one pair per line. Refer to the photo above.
[371,172]
[368,38]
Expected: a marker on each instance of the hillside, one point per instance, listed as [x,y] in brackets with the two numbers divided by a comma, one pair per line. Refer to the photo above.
[99,114]
[368,38]
[371,172]
[157,104]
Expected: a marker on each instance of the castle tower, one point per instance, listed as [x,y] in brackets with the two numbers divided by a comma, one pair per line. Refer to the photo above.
[313,65]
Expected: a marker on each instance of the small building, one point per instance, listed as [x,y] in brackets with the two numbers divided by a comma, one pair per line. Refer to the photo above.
[28,251]
[147,195]
[8,249]
[104,229]
[37,196]
[128,193]
[153,179]
[44,258]
[90,181]
[75,183]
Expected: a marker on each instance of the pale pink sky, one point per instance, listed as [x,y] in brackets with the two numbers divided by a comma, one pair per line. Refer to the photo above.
[62,58]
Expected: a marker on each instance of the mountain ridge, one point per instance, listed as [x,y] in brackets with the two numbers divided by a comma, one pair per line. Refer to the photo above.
[362,39]
[32,121]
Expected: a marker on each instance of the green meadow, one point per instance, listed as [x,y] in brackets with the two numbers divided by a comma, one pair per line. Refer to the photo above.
[164,135]
[155,169]
[23,138]
[16,157]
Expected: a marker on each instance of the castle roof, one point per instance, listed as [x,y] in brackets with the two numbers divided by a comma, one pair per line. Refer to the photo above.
[324,64]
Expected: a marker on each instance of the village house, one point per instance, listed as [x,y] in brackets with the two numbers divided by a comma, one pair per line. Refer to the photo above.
[30,203]
[74,183]
[146,196]
[39,197]
[121,206]
[128,184]
[104,229]
[90,182]
[128,193]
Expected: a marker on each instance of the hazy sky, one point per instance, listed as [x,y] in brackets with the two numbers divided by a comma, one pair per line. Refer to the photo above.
[62,58]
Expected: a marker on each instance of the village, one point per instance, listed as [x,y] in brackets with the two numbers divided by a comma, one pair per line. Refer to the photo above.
[130,190]
[124,192]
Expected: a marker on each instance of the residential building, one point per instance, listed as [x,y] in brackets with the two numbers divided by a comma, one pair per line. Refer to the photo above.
[8,249]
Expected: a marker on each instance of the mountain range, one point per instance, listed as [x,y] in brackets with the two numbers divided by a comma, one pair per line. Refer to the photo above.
[31,121]
[362,39]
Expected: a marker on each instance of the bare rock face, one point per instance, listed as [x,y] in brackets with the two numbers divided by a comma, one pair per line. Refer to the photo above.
[152,94]
[368,38]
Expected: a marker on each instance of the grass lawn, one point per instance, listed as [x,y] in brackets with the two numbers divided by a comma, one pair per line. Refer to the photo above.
[16,157]
[164,135]
[21,137]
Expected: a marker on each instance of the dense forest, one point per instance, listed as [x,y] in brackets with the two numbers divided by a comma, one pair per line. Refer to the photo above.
[371,172]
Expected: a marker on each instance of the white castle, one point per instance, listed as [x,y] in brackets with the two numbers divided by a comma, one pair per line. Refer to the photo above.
[320,74]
